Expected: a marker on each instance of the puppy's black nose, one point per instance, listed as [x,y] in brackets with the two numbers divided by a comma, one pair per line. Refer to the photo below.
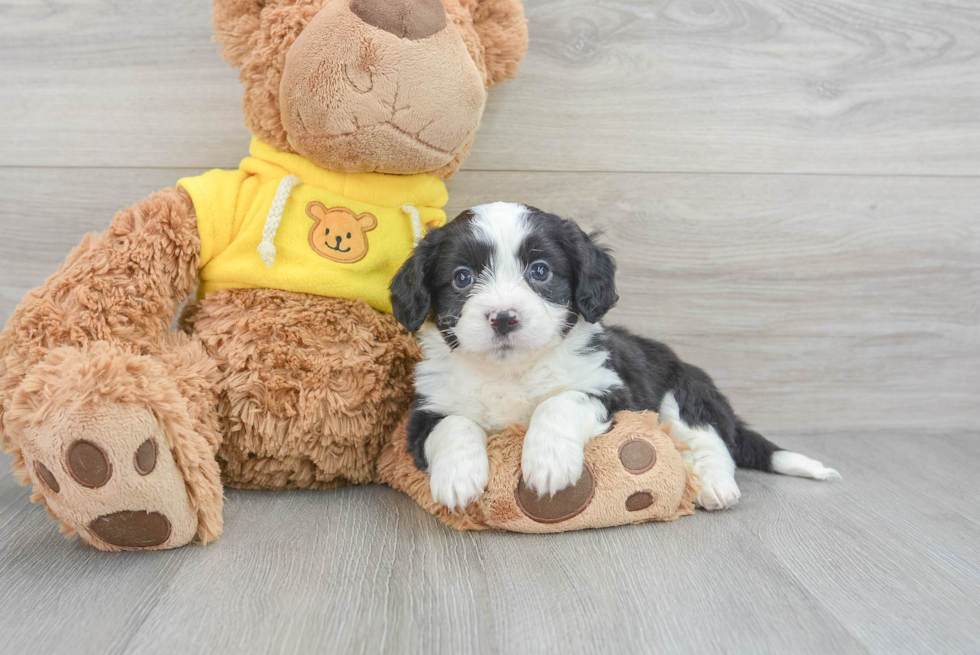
[504,322]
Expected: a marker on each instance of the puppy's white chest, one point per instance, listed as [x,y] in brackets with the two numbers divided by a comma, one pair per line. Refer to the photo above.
[495,394]
[492,401]
[500,403]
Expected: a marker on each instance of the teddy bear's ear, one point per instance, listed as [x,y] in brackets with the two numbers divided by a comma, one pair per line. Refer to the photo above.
[234,22]
[237,23]
[501,28]
[256,34]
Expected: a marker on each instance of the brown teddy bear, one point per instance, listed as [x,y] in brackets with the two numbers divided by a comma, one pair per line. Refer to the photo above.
[288,370]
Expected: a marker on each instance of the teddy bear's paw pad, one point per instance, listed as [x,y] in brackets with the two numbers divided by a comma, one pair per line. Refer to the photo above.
[47,476]
[129,529]
[639,500]
[567,503]
[88,464]
[106,472]
[637,456]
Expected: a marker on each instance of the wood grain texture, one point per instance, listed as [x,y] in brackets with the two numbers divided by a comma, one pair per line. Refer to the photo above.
[837,86]
[818,303]
[878,563]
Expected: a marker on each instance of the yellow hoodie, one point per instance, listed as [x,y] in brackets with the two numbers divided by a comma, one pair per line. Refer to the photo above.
[282,222]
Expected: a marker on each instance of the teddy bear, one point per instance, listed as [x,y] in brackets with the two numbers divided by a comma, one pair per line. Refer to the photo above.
[286,370]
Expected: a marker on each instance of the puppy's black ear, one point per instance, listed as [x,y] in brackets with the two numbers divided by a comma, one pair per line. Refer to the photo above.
[595,284]
[411,298]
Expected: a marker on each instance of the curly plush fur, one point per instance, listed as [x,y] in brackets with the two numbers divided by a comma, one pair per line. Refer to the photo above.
[311,387]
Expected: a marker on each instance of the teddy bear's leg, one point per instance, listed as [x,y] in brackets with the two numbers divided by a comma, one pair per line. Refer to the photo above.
[109,414]
[312,386]
[115,443]
[632,474]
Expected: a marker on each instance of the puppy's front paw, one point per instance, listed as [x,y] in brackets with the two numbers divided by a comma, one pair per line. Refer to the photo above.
[458,477]
[550,461]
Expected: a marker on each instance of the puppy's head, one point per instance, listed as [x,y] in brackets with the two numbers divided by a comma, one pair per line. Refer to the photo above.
[504,278]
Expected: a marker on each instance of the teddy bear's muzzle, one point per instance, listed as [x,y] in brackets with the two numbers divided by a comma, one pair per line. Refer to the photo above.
[382,86]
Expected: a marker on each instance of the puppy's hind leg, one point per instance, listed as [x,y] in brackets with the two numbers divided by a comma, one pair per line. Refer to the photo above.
[709,458]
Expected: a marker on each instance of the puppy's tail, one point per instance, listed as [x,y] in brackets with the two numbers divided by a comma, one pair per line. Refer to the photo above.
[753,451]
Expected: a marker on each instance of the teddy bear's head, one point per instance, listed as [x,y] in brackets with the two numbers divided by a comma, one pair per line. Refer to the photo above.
[389,86]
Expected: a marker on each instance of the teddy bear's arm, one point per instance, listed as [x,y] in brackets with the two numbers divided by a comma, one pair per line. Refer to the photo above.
[123,285]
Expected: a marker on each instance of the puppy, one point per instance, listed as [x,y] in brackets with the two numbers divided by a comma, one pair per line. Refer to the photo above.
[508,301]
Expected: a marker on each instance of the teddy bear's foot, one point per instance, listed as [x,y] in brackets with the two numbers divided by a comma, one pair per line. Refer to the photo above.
[107,472]
[632,474]
[106,443]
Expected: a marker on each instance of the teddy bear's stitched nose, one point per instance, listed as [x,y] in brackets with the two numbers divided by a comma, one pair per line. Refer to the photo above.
[406,19]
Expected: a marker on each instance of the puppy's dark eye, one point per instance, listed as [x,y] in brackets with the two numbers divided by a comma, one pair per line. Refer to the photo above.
[348,235]
[539,272]
[462,278]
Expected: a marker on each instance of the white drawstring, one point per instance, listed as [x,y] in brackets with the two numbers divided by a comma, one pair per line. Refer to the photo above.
[413,213]
[267,249]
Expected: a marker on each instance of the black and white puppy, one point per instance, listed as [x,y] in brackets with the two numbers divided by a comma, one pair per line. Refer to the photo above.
[509,301]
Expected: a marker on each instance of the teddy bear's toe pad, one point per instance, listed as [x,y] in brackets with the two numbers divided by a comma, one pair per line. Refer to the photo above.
[637,456]
[639,500]
[107,473]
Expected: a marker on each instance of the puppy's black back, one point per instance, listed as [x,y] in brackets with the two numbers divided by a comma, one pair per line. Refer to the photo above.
[650,369]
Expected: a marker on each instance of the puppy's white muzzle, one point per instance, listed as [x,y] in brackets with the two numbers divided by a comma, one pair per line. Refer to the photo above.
[506,315]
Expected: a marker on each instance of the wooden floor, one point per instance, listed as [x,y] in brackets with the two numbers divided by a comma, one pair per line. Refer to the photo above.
[793,192]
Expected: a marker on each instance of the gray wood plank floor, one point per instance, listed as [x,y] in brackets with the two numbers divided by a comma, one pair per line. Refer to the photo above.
[877,563]
[792,189]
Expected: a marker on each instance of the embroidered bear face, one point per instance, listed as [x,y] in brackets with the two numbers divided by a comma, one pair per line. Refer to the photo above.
[338,233]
